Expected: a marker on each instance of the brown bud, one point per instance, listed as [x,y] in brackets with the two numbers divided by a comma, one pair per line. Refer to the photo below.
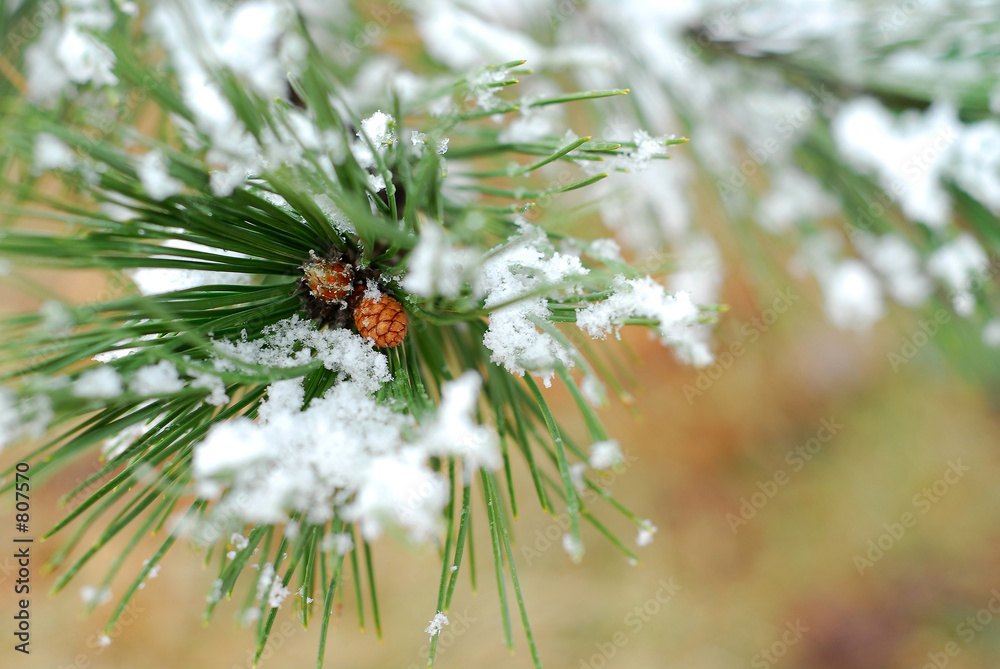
[382,320]
[328,280]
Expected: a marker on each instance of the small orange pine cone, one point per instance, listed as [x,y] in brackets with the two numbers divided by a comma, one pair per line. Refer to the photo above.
[382,320]
[328,280]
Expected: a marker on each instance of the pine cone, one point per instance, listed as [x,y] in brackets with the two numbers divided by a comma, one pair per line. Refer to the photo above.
[328,280]
[382,320]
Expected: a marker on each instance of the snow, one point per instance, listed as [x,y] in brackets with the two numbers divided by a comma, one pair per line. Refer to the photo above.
[606,454]
[573,547]
[340,543]
[605,250]
[343,454]
[793,197]
[454,430]
[461,40]
[93,596]
[158,280]
[646,532]
[380,129]
[67,53]
[676,314]
[51,153]
[437,623]
[853,296]
[294,342]
[991,333]
[23,418]
[898,264]
[437,267]
[158,379]
[908,155]
[152,171]
[526,263]
[958,264]
[100,383]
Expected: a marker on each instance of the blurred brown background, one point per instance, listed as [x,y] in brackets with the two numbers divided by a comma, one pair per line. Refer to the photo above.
[783,589]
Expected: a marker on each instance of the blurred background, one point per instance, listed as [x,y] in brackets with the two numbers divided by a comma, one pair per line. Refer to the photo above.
[825,494]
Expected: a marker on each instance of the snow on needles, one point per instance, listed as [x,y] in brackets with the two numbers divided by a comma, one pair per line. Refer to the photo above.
[526,263]
[676,314]
[343,454]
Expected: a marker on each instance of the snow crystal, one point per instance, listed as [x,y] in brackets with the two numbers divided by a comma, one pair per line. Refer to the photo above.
[155,178]
[646,532]
[399,489]
[217,387]
[23,418]
[605,250]
[265,580]
[159,379]
[436,267]
[454,430]
[991,333]
[676,314]
[646,148]
[100,383]
[314,460]
[525,263]
[94,596]
[68,52]
[277,595]
[909,155]
[51,153]
[294,342]
[898,264]
[605,454]
[573,547]
[976,162]
[339,543]
[958,264]
[380,129]
[853,296]
[437,623]
[238,541]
